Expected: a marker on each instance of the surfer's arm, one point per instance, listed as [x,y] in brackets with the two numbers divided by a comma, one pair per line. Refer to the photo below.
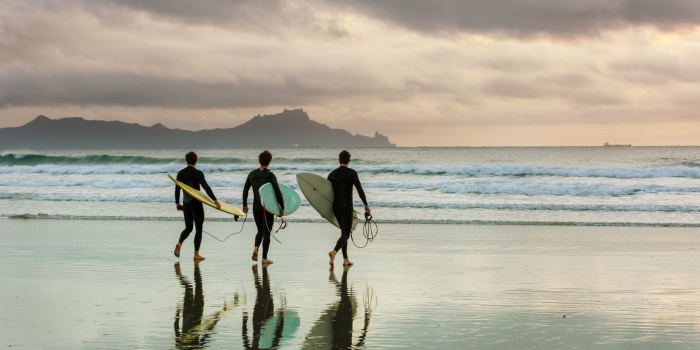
[246,188]
[205,186]
[278,193]
[177,194]
[358,186]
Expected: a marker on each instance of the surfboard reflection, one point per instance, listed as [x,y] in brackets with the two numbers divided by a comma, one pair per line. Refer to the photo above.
[269,329]
[192,329]
[334,329]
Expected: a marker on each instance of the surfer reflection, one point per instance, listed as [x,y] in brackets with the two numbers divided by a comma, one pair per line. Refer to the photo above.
[195,330]
[263,316]
[333,330]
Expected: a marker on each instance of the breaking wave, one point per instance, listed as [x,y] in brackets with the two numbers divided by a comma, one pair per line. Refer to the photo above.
[468,171]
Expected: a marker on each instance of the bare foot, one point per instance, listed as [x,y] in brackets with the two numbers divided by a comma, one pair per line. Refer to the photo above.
[347,262]
[332,254]
[255,254]
[177,249]
[198,257]
[267,262]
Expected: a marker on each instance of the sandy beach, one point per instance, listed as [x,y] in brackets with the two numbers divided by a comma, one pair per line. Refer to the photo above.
[74,284]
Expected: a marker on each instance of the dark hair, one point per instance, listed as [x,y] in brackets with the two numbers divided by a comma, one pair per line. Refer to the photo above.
[191,158]
[344,157]
[265,158]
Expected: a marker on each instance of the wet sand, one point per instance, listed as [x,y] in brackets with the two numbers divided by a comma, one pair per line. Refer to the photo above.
[116,285]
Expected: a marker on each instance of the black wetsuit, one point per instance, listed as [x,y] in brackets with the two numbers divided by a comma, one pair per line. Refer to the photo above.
[264,221]
[342,180]
[193,209]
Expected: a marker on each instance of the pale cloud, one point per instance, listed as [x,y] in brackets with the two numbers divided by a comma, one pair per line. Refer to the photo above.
[456,71]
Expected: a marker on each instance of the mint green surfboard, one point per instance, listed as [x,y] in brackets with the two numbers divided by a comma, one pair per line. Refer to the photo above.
[269,200]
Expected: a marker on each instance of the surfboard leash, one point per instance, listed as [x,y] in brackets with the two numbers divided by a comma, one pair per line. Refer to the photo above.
[235,233]
[273,225]
[368,231]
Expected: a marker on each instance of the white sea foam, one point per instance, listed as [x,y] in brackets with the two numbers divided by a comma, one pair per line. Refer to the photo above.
[120,182]
[537,188]
[150,198]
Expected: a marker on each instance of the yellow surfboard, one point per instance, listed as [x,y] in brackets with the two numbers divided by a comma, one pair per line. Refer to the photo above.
[202,197]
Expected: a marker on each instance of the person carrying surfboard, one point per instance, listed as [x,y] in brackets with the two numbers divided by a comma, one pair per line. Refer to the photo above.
[193,209]
[342,179]
[264,221]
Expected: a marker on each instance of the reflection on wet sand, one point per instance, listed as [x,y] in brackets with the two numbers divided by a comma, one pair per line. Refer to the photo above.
[268,329]
[196,329]
[334,328]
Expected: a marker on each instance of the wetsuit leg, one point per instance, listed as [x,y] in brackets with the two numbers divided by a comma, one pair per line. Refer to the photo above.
[264,222]
[259,223]
[189,223]
[198,215]
[345,221]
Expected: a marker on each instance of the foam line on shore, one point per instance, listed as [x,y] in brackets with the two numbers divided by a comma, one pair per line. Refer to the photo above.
[395,205]
[528,188]
[411,222]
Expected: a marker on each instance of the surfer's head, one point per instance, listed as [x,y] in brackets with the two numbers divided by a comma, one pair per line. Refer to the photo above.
[191,158]
[265,158]
[344,157]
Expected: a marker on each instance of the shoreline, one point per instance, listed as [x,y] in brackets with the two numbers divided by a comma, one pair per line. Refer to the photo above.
[389,222]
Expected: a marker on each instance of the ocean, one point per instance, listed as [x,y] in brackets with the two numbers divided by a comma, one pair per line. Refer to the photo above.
[627,186]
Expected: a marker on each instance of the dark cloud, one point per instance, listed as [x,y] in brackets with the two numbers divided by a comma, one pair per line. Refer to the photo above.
[260,16]
[206,11]
[515,18]
[530,18]
[26,88]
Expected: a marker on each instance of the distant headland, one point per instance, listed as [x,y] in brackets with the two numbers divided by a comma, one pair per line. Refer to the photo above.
[291,128]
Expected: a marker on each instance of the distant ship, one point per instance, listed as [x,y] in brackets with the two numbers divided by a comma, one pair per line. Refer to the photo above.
[609,145]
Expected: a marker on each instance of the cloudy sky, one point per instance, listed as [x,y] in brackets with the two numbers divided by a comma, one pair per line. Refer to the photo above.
[439,73]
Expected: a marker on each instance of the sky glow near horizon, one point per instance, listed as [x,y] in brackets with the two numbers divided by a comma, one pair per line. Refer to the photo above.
[448,73]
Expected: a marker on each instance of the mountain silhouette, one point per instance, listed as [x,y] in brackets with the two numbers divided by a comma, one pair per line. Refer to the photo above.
[291,128]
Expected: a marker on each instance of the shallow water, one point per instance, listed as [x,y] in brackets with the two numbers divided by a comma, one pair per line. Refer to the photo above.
[115,285]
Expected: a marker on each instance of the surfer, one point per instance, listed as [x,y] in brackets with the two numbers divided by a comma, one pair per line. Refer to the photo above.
[264,221]
[342,179]
[193,209]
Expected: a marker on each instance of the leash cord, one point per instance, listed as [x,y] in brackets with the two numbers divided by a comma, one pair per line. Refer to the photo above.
[273,225]
[369,232]
[235,233]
